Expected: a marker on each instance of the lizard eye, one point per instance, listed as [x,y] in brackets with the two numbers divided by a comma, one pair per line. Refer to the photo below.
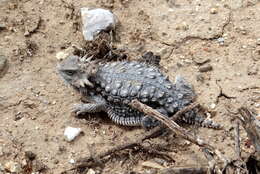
[70,73]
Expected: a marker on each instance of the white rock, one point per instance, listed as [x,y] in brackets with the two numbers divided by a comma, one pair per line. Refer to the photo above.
[91,171]
[64,54]
[96,20]
[221,40]
[61,55]
[72,161]
[71,133]
[213,106]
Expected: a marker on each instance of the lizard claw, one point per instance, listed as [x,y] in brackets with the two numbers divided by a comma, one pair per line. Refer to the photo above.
[78,109]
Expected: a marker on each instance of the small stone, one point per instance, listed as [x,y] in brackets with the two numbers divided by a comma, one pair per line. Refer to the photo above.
[26,33]
[183,26]
[221,40]
[1,151]
[200,78]
[258,41]
[1,167]
[213,11]
[160,161]
[13,167]
[3,63]
[62,55]
[205,68]
[56,161]
[96,20]
[252,69]
[71,133]
[152,164]
[91,171]
[201,61]
[2,27]
[212,106]
[24,163]
[72,161]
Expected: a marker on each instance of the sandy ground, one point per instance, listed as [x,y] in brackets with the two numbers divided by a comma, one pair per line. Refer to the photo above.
[35,105]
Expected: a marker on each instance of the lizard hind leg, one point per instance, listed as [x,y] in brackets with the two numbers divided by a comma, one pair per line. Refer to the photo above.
[192,117]
[149,122]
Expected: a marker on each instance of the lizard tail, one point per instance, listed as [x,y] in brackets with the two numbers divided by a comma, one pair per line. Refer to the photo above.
[192,117]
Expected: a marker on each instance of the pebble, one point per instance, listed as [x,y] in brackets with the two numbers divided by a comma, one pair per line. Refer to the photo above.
[91,171]
[160,161]
[62,55]
[96,20]
[183,26]
[1,151]
[1,167]
[72,161]
[71,133]
[221,40]
[213,11]
[65,53]
[2,27]
[3,63]
[164,52]
[200,78]
[205,68]
[258,41]
[252,69]
[212,106]
[201,61]
[13,167]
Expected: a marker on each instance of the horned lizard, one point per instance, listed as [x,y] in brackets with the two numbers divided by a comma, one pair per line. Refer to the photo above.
[111,86]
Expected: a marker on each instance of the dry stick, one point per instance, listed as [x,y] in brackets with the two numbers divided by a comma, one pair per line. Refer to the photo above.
[251,126]
[153,133]
[237,141]
[211,161]
[177,129]
[182,170]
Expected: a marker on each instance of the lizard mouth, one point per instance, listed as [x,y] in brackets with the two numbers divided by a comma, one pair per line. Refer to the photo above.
[83,83]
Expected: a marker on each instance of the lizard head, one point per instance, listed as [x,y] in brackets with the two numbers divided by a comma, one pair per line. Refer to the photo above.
[76,71]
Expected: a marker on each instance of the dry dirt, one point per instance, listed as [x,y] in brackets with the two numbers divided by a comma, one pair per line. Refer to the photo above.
[35,105]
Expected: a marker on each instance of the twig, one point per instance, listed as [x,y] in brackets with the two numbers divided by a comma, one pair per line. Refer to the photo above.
[251,126]
[153,133]
[237,141]
[184,170]
[177,129]
[211,161]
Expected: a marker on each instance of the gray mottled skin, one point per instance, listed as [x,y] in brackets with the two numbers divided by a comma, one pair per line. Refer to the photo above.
[111,86]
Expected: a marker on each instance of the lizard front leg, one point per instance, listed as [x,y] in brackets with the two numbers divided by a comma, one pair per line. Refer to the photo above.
[97,104]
